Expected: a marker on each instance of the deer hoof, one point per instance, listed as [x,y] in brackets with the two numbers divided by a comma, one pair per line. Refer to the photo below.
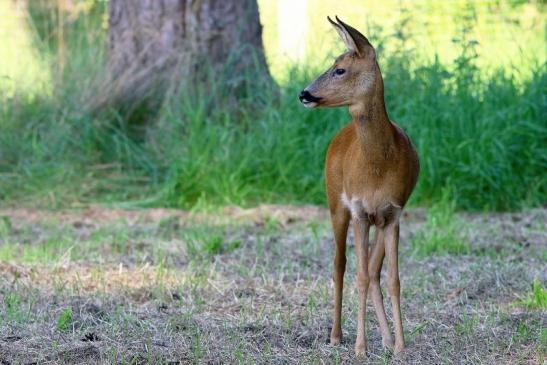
[360,350]
[398,348]
[335,340]
[387,343]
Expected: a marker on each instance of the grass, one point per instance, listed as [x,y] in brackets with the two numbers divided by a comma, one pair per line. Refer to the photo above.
[232,286]
[65,320]
[479,132]
[267,300]
[443,233]
[537,298]
[12,307]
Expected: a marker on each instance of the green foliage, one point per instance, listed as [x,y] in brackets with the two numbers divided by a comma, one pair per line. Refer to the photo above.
[233,245]
[523,331]
[213,245]
[543,342]
[14,309]
[479,132]
[12,306]
[204,243]
[5,227]
[65,320]
[51,250]
[443,232]
[468,326]
[537,298]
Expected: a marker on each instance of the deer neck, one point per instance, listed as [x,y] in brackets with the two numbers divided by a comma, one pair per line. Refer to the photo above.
[374,130]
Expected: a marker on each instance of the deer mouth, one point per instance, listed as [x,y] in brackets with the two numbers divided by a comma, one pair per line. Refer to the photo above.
[308,100]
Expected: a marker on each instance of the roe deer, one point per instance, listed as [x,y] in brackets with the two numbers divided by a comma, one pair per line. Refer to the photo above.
[371,169]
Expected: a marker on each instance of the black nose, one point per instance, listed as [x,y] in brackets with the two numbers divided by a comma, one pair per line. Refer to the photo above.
[306,97]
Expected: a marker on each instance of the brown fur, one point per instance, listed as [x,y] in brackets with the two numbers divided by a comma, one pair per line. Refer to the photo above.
[371,170]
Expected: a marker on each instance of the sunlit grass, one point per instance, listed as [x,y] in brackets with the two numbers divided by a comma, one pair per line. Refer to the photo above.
[50,251]
[23,70]
[537,298]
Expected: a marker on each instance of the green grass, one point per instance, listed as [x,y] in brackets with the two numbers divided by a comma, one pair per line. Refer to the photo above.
[480,133]
[537,299]
[65,320]
[204,243]
[44,252]
[443,233]
[13,310]
[543,344]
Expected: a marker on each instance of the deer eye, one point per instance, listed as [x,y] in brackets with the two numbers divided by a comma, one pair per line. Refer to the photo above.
[339,71]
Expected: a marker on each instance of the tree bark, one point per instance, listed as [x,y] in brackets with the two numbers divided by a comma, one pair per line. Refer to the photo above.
[154,42]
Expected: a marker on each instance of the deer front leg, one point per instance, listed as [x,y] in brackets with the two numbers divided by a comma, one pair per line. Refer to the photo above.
[374,269]
[340,223]
[394,288]
[361,229]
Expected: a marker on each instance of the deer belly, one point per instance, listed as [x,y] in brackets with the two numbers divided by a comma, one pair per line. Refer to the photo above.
[379,215]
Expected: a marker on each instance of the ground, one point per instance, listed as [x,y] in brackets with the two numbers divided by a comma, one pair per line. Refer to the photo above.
[254,286]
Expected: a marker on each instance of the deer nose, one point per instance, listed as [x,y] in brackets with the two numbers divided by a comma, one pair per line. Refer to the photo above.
[306,97]
[303,95]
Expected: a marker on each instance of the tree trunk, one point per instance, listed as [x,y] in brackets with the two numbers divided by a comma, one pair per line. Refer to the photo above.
[155,42]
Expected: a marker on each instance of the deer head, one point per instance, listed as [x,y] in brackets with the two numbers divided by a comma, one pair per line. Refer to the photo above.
[351,78]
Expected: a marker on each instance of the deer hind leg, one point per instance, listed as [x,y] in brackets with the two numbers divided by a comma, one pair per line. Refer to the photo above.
[374,270]
[392,248]
[340,222]
[361,228]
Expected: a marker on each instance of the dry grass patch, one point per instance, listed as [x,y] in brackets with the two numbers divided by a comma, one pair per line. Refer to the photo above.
[131,292]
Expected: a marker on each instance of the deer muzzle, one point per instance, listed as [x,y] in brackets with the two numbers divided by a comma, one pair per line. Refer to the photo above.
[307,99]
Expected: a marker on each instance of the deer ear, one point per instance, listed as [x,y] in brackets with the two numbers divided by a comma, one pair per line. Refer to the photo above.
[344,35]
[354,40]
